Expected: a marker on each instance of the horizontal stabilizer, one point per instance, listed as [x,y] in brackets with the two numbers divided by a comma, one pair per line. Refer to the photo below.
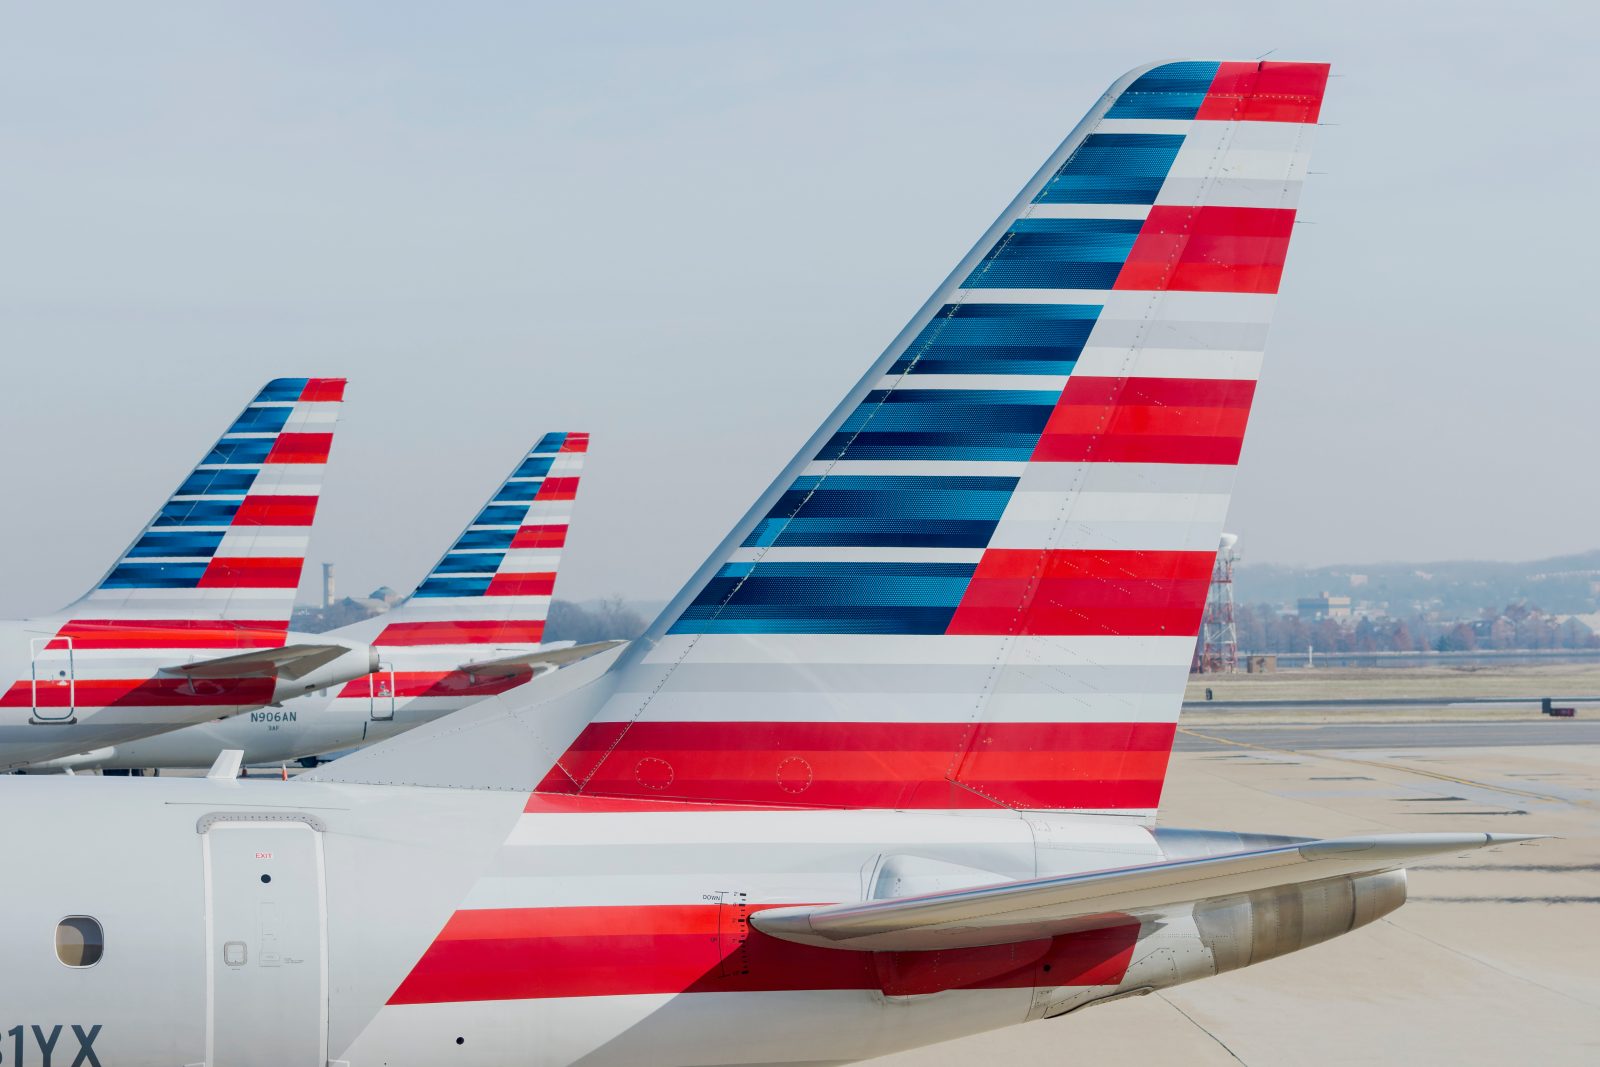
[545,659]
[290,661]
[1046,907]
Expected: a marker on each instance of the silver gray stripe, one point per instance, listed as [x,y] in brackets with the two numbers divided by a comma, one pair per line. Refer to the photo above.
[1126,478]
[1167,333]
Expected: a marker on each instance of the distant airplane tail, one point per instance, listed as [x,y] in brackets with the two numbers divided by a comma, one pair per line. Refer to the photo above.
[491,591]
[219,564]
[980,583]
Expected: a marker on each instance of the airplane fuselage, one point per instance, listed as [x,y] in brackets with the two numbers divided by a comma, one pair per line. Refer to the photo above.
[413,686]
[64,699]
[305,923]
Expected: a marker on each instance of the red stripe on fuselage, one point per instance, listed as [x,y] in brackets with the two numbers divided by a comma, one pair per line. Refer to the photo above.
[141,693]
[541,953]
[1085,592]
[170,633]
[868,764]
[568,804]
[463,632]
[1265,92]
[409,684]
[1209,249]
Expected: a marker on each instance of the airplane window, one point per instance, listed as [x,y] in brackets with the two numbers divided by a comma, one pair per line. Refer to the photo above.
[79,941]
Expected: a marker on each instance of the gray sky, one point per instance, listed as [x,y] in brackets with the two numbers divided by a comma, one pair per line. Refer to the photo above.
[690,230]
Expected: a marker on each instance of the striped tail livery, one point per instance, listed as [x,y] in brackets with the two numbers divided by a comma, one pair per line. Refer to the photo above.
[473,628]
[191,622]
[979,584]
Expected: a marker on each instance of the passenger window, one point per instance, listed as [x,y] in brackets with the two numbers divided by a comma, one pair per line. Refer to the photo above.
[79,941]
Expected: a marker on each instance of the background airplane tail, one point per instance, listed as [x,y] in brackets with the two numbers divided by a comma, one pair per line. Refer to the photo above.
[981,582]
[490,593]
[218,565]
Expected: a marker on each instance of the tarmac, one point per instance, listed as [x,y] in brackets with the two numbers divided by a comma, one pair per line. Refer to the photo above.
[1494,959]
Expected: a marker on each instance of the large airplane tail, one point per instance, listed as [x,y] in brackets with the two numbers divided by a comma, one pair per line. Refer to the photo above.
[489,595]
[980,583]
[219,563]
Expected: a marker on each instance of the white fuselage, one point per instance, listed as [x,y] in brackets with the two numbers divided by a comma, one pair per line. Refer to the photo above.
[412,687]
[65,700]
[300,923]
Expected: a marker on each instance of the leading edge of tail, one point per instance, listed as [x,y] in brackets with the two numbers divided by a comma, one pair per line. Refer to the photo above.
[980,583]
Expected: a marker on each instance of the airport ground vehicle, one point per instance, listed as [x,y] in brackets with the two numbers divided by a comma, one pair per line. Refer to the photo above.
[882,774]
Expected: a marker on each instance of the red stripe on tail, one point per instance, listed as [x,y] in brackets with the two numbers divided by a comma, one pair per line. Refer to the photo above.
[463,632]
[540,537]
[1085,592]
[844,764]
[170,633]
[1265,92]
[518,584]
[1209,249]
[1147,420]
[301,448]
[267,510]
[558,489]
[323,389]
[252,572]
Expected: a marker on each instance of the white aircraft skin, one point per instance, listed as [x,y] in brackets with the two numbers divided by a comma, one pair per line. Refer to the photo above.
[417,680]
[774,830]
[398,861]
[28,742]
[210,582]
[316,723]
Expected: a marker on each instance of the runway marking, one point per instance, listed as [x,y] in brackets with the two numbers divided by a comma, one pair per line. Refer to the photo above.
[1401,768]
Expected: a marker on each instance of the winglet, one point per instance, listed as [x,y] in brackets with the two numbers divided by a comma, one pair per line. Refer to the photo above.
[226,767]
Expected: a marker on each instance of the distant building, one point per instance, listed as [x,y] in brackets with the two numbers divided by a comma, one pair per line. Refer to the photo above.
[345,611]
[1322,606]
[1581,629]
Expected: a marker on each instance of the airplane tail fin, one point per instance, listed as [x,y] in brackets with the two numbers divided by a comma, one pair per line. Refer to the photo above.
[490,593]
[219,563]
[981,582]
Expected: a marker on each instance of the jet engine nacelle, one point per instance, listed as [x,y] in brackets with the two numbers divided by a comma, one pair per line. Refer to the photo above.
[356,661]
[1225,933]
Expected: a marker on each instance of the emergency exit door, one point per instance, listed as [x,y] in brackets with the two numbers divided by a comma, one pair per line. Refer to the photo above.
[54,682]
[267,939]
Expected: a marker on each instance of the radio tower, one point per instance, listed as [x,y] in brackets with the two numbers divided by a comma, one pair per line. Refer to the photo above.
[1218,652]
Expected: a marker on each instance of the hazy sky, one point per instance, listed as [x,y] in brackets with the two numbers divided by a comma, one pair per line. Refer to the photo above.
[689,228]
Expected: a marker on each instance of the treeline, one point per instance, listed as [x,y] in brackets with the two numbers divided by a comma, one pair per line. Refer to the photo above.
[1264,629]
[610,619]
